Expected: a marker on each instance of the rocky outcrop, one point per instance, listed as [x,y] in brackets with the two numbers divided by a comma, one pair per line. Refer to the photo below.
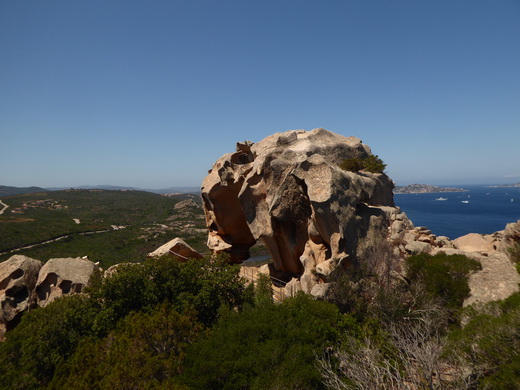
[289,191]
[177,248]
[18,277]
[498,277]
[62,276]
[26,283]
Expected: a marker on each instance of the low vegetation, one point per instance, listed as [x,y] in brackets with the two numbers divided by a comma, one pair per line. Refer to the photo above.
[371,163]
[195,325]
[114,226]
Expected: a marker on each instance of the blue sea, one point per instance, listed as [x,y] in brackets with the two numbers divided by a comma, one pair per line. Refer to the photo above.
[481,209]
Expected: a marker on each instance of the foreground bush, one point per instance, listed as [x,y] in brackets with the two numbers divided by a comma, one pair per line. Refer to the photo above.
[48,336]
[488,346]
[145,351]
[271,346]
[442,276]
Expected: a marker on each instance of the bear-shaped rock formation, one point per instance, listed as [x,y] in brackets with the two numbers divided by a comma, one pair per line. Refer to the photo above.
[290,191]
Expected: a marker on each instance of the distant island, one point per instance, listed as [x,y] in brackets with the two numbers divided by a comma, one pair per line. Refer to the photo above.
[505,185]
[423,189]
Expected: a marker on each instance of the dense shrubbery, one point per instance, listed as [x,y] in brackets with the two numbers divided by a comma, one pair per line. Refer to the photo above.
[271,346]
[371,163]
[47,337]
[194,325]
[443,276]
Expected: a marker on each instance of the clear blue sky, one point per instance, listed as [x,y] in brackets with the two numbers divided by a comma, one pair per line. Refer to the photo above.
[151,93]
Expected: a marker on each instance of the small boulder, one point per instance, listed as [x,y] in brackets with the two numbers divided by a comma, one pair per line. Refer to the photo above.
[18,276]
[417,247]
[474,242]
[62,276]
[178,248]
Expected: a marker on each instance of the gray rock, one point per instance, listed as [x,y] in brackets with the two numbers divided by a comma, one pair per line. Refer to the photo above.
[62,276]
[417,247]
[18,276]
[320,291]
[177,248]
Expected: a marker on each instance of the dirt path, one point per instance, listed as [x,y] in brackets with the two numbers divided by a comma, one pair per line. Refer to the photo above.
[5,207]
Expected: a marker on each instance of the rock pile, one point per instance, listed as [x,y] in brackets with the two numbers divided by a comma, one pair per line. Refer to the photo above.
[26,283]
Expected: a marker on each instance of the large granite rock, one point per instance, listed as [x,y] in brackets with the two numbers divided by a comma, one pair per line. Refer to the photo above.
[62,276]
[18,276]
[177,248]
[289,191]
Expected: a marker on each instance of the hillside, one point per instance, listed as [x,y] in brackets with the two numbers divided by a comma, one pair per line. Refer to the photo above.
[108,226]
[8,190]
[423,189]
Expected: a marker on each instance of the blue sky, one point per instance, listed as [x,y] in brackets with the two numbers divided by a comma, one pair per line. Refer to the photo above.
[150,93]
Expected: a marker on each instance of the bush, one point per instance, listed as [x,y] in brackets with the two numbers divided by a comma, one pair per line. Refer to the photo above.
[371,163]
[352,164]
[442,276]
[202,285]
[489,343]
[271,346]
[43,339]
[145,351]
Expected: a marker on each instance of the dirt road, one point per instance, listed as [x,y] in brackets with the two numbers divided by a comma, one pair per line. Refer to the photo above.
[5,206]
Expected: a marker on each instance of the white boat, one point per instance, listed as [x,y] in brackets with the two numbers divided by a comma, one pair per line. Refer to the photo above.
[441,198]
[465,201]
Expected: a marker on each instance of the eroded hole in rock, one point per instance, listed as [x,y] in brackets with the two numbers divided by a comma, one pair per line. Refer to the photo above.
[10,325]
[65,286]
[44,289]
[77,287]
[17,295]
[17,274]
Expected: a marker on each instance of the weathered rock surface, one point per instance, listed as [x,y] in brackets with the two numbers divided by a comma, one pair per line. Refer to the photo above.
[178,248]
[18,276]
[62,276]
[289,191]
[498,278]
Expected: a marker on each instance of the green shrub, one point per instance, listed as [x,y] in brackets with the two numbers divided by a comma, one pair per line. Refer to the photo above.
[371,163]
[374,164]
[442,276]
[352,164]
[489,343]
[43,339]
[271,346]
[145,351]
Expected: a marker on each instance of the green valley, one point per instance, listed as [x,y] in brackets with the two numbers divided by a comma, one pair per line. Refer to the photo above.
[107,226]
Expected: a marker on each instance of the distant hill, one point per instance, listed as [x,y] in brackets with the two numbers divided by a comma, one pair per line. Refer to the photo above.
[8,191]
[423,189]
[506,186]
[169,190]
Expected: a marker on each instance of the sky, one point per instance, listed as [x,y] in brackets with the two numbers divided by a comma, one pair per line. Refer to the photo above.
[151,93]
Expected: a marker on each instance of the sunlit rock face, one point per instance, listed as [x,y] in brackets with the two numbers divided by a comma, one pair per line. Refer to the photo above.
[62,276]
[18,277]
[289,191]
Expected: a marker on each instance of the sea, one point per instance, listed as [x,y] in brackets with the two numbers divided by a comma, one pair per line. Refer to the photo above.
[480,209]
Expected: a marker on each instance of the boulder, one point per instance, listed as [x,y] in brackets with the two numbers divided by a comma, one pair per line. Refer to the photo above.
[178,248]
[417,247]
[289,191]
[18,277]
[62,276]
[474,242]
[498,278]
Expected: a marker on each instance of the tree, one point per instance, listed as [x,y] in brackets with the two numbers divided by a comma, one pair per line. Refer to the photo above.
[145,351]
[44,338]
[270,346]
